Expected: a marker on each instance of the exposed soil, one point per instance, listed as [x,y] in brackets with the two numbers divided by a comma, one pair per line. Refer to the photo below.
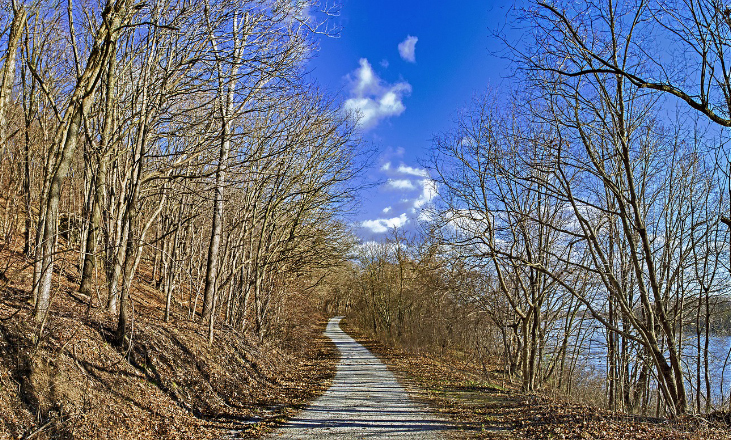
[74,382]
[490,409]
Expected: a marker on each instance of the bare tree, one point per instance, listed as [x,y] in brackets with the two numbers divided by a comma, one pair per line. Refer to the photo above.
[67,136]
[7,75]
[495,173]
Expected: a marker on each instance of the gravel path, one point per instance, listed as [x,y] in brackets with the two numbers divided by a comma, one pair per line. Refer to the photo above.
[365,402]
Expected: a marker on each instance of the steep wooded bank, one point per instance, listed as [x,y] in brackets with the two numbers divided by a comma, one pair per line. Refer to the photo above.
[172,194]
[75,382]
[178,134]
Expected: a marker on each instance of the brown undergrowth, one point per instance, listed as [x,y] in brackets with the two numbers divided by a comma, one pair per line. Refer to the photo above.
[483,407]
[74,383]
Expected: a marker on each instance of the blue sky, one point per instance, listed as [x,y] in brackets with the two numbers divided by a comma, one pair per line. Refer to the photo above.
[408,67]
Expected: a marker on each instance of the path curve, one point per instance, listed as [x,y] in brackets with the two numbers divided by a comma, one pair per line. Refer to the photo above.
[364,401]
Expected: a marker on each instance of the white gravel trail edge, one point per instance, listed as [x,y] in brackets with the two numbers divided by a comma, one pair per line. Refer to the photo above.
[364,402]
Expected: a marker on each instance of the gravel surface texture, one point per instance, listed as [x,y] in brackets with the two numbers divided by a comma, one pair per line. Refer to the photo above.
[364,402]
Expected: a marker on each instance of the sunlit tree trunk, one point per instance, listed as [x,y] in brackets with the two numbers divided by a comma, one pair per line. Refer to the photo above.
[66,140]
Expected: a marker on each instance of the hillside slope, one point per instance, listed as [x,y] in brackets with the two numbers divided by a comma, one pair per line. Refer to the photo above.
[74,382]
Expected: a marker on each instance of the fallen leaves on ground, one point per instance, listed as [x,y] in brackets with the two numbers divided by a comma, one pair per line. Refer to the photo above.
[482,405]
[76,383]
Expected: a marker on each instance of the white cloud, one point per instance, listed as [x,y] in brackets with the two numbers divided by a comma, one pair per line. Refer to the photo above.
[372,99]
[407,49]
[366,81]
[467,221]
[376,247]
[468,141]
[384,63]
[415,194]
[301,12]
[420,172]
[382,225]
[400,184]
[428,193]
[427,215]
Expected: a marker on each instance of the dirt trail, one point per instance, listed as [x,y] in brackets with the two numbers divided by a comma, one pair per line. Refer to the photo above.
[364,401]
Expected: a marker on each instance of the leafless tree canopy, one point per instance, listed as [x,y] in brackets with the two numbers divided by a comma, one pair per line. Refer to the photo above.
[587,203]
[176,135]
[180,142]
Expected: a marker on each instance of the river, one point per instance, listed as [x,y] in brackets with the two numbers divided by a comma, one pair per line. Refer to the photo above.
[592,359]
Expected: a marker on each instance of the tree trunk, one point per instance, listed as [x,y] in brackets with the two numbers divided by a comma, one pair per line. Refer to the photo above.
[216,228]
[125,314]
[66,139]
[100,176]
[226,109]
[20,17]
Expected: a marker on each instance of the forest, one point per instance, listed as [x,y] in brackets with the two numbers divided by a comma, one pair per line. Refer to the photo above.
[171,177]
[590,206]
